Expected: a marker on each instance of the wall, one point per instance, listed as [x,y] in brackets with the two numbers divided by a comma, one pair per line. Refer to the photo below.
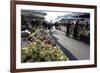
[5,36]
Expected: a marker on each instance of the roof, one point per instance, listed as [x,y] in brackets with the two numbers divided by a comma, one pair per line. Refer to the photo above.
[33,13]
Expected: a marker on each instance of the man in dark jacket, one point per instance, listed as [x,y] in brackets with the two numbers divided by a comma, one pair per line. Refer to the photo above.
[67,28]
[76,25]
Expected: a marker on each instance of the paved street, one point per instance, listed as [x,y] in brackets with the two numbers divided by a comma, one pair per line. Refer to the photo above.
[79,49]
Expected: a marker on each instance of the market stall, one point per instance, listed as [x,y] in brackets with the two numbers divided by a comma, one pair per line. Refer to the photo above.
[40,47]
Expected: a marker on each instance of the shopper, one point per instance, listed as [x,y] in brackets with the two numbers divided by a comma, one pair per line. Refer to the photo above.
[32,23]
[76,25]
[49,26]
[44,24]
[67,28]
[56,25]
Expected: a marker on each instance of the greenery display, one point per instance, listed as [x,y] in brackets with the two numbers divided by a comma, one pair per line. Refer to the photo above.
[42,48]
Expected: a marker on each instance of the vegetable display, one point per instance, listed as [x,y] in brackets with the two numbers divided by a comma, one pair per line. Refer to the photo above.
[41,48]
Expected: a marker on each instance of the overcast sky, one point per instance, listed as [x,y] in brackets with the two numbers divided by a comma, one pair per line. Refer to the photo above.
[54,15]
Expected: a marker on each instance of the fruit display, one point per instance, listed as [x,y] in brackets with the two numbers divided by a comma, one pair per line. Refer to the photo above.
[42,48]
